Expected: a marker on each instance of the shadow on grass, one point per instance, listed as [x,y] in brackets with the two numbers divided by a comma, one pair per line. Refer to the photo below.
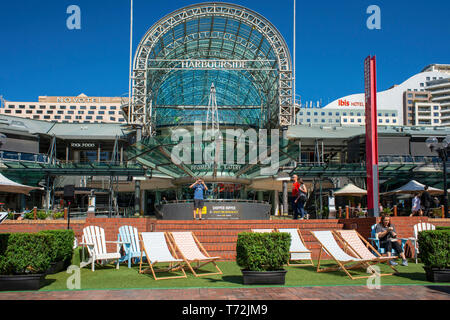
[46,283]
[440,289]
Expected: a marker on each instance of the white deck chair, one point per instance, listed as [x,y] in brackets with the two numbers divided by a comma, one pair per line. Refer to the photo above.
[343,260]
[263,230]
[298,250]
[94,239]
[419,228]
[192,251]
[154,245]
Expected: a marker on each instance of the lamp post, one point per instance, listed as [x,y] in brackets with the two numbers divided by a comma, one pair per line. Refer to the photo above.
[442,150]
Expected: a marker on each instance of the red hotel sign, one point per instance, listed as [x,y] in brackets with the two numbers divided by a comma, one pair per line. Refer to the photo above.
[370,84]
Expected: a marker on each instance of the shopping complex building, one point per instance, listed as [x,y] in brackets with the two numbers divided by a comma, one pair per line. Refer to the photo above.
[198,73]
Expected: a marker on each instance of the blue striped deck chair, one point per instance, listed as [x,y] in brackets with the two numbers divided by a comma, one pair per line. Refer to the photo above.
[129,235]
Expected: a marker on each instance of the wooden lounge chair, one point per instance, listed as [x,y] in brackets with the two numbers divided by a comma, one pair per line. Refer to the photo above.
[130,238]
[344,261]
[263,230]
[94,239]
[298,250]
[154,245]
[356,244]
[191,250]
[419,228]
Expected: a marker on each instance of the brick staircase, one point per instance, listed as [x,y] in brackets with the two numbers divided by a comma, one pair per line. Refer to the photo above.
[219,237]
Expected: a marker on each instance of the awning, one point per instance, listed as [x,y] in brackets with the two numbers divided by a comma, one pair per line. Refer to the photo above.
[412,187]
[350,190]
[10,186]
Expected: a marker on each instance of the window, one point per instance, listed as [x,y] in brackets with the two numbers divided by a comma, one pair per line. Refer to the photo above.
[91,112]
[62,107]
[79,117]
[337,113]
[380,115]
[68,117]
[394,121]
[393,114]
[359,120]
[36,117]
[337,120]
[53,107]
[386,114]
[436,114]
[428,78]
[80,112]
[41,107]
[99,118]
[352,120]
[421,84]
[88,117]
[7,111]
[32,107]
[93,108]
[11,106]
[82,107]
[57,117]
[29,111]
[323,113]
[316,120]
[323,120]
[410,95]
[344,114]
[39,111]
[103,108]
[18,111]
[436,108]
[345,120]
[47,117]
[380,121]
[101,112]
[308,120]
[21,107]
[359,114]
[112,112]
[49,111]
[352,114]
[60,112]
[308,113]
[113,108]
[74,107]
[70,112]
[112,118]
[330,113]
[387,120]
[315,113]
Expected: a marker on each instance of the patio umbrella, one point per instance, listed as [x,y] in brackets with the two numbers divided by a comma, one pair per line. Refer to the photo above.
[10,186]
[412,187]
[350,190]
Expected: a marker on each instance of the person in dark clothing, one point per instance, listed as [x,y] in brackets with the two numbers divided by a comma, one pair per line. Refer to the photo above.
[425,200]
[387,235]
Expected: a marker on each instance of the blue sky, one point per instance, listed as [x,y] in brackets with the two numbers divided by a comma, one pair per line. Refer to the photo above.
[40,56]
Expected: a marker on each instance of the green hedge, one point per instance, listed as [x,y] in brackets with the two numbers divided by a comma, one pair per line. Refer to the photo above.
[262,251]
[25,253]
[63,244]
[434,248]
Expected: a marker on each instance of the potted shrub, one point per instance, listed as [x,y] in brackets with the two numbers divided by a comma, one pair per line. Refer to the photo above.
[24,259]
[434,252]
[62,249]
[262,256]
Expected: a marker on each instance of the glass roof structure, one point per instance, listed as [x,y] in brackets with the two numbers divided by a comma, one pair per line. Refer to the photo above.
[168,93]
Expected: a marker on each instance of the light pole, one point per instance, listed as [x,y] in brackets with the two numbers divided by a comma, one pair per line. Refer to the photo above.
[442,150]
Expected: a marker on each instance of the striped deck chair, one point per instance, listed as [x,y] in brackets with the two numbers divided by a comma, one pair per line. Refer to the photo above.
[154,245]
[263,230]
[344,261]
[192,251]
[355,243]
[298,250]
[130,238]
[94,240]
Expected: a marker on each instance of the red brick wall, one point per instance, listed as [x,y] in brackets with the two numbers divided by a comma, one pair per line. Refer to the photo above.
[219,237]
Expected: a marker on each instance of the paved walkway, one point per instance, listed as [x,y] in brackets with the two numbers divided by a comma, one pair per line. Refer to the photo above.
[303,293]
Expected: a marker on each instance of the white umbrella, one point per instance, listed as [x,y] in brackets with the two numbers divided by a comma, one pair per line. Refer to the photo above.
[412,187]
[7,185]
[351,190]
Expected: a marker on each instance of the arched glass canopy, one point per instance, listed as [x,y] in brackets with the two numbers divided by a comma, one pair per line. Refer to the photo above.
[257,95]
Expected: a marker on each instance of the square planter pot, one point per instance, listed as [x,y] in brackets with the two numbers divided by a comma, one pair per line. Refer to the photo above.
[22,282]
[437,275]
[55,267]
[264,277]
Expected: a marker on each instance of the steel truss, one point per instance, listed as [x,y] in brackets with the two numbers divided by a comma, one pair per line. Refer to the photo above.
[142,99]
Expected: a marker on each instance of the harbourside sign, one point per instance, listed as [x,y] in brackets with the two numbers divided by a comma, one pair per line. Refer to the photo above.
[205,64]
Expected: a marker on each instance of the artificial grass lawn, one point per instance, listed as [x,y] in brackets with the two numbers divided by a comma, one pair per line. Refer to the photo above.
[108,277]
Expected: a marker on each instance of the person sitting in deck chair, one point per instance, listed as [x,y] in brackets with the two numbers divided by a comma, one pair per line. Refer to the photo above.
[388,239]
